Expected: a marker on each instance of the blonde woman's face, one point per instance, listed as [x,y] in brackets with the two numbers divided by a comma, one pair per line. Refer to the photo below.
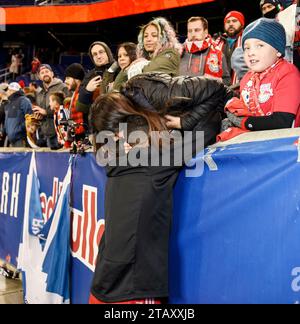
[151,38]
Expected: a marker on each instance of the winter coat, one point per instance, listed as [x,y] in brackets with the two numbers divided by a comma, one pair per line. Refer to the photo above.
[199,101]
[15,111]
[42,100]
[133,253]
[86,98]
[203,65]
[2,121]
[2,111]
[108,73]
[165,62]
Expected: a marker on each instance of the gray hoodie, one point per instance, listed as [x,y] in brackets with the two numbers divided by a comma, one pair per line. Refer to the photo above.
[42,100]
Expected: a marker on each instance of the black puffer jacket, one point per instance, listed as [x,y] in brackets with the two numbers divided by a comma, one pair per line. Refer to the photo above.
[199,101]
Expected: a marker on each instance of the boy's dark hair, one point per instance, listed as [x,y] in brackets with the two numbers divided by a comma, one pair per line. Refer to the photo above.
[34,84]
[59,97]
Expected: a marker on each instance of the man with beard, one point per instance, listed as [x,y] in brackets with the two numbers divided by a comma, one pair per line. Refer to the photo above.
[50,85]
[234,23]
[201,56]
[74,75]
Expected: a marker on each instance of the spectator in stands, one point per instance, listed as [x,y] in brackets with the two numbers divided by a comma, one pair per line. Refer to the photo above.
[132,225]
[3,103]
[22,84]
[201,56]
[126,54]
[15,111]
[97,81]
[33,124]
[239,66]
[33,90]
[270,97]
[35,65]
[20,57]
[14,65]
[74,76]
[158,49]
[234,23]
[50,85]
[270,8]
[61,114]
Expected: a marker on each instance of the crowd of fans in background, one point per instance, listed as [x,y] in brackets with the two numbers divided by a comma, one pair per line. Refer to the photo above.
[39,115]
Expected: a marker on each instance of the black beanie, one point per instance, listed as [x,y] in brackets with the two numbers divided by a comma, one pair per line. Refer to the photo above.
[75,71]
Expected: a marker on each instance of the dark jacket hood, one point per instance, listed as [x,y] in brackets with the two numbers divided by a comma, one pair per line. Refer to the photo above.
[107,50]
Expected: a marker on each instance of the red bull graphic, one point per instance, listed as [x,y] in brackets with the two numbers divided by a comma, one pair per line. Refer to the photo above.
[86,229]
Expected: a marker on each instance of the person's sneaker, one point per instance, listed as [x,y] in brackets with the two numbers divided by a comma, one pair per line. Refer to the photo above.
[6,272]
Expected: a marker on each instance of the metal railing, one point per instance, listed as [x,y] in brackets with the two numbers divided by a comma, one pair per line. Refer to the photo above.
[4,74]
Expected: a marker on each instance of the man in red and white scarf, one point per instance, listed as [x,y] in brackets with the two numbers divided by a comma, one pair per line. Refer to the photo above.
[201,56]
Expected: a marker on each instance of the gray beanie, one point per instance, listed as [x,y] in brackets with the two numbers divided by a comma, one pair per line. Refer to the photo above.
[267,30]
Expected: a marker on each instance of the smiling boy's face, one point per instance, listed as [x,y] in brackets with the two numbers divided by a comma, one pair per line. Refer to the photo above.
[259,55]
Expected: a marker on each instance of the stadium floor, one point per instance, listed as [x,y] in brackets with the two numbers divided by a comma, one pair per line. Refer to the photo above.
[10,291]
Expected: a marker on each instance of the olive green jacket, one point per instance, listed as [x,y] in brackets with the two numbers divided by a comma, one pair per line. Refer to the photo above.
[166,62]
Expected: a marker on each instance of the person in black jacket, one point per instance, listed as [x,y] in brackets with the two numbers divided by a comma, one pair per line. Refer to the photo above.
[15,111]
[3,103]
[132,264]
[98,80]
[193,103]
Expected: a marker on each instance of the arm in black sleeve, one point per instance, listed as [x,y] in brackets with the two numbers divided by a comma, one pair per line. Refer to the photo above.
[85,100]
[275,121]
[198,112]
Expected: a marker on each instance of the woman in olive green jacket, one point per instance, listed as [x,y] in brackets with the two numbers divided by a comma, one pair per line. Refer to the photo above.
[158,50]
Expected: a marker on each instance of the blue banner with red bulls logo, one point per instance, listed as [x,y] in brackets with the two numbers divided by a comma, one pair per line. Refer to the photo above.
[87,212]
[86,208]
[236,228]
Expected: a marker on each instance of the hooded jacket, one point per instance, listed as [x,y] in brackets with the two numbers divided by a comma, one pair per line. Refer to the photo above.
[15,111]
[86,98]
[199,101]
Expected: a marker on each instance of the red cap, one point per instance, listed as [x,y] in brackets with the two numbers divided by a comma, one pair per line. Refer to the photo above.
[236,14]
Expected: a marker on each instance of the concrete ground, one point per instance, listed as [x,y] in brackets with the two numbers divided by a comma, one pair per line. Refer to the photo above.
[10,291]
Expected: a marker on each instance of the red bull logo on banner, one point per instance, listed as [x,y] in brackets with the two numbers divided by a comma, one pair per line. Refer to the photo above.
[48,204]
[86,230]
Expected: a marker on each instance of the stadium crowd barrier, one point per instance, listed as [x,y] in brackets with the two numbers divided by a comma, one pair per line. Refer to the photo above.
[236,228]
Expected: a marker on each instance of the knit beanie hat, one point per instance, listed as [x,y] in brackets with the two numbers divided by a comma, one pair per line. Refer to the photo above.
[236,14]
[107,50]
[75,71]
[273,2]
[45,66]
[267,30]
[14,86]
